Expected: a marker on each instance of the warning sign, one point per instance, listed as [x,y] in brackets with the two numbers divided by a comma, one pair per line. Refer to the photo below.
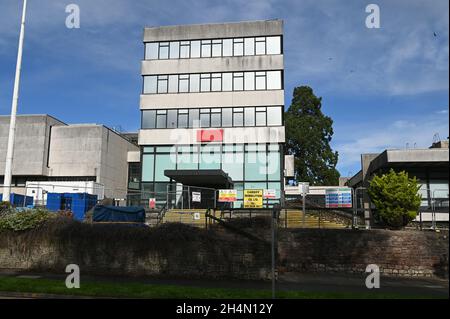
[227,195]
[196,197]
[270,194]
[253,198]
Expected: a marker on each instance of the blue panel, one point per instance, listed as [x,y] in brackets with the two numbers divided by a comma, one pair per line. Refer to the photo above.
[54,202]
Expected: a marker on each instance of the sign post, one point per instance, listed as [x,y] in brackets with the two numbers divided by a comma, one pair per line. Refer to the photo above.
[304,189]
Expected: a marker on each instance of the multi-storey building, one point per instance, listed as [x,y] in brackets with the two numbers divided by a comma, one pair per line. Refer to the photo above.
[212,107]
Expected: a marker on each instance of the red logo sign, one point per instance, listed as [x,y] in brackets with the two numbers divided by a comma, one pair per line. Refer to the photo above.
[210,136]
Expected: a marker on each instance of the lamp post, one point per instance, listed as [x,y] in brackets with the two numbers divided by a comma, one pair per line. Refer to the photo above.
[12,124]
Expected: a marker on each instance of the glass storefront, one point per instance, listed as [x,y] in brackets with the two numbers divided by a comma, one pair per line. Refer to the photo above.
[250,166]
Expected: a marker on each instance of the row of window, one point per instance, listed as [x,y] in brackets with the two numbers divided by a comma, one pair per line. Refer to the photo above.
[213,117]
[213,48]
[213,82]
[257,165]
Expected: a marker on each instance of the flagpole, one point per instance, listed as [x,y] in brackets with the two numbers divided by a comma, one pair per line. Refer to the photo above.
[12,124]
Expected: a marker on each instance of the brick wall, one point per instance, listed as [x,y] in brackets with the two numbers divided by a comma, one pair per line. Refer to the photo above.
[195,253]
[397,253]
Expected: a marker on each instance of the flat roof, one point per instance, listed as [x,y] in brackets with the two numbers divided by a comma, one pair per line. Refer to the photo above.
[213,30]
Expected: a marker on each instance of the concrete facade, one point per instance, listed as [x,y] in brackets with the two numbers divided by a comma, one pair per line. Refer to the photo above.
[246,63]
[429,166]
[48,149]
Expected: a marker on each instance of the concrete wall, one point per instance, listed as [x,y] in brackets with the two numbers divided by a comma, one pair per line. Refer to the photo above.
[212,99]
[31,143]
[211,65]
[114,163]
[219,30]
[275,134]
[91,150]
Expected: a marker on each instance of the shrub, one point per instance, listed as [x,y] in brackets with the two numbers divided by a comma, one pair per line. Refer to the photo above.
[396,198]
[5,209]
[24,220]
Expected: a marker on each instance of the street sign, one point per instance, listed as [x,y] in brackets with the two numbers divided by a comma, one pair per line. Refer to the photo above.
[270,194]
[253,198]
[196,197]
[338,198]
[227,195]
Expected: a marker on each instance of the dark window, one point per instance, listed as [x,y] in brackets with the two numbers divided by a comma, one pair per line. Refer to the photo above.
[206,48]
[205,117]
[205,82]
[216,118]
[238,117]
[164,50]
[183,118]
[238,81]
[162,83]
[161,119]
[194,118]
[148,119]
[238,47]
[172,119]
[249,116]
[227,117]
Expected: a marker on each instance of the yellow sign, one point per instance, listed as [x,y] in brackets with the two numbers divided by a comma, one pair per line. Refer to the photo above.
[253,198]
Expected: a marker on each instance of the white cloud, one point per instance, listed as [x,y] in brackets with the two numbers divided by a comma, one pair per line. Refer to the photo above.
[377,137]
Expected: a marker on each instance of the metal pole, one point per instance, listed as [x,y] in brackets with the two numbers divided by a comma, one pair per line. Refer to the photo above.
[354,207]
[12,124]
[273,252]
[304,211]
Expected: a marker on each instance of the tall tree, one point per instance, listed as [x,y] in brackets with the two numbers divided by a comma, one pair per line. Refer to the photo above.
[308,134]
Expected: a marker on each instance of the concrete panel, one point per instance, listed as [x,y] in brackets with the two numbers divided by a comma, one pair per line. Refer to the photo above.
[289,166]
[418,155]
[92,150]
[134,157]
[236,135]
[212,99]
[30,145]
[219,30]
[75,150]
[210,65]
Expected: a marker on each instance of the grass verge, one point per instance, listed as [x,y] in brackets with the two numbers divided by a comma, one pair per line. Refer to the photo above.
[150,291]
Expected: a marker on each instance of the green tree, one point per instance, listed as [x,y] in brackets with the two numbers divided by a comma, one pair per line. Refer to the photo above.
[308,135]
[396,198]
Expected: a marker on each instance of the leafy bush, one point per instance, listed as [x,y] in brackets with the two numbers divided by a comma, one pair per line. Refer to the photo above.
[5,209]
[396,198]
[28,219]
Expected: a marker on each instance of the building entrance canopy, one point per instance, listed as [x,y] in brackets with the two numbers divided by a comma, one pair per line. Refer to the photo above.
[212,178]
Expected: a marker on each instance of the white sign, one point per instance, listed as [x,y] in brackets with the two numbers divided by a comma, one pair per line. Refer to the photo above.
[197,216]
[303,188]
[196,197]
[270,194]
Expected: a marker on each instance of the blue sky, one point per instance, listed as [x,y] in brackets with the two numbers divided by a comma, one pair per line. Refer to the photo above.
[383,87]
